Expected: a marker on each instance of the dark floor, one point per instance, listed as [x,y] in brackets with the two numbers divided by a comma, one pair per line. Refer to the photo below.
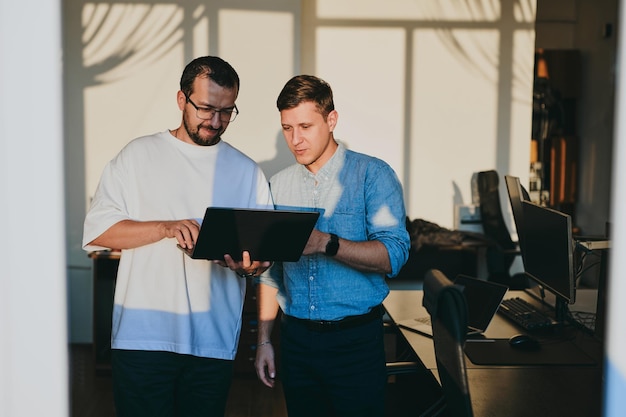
[91,394]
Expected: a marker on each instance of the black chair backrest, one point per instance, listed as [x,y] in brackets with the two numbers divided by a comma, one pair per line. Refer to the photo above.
[492,218]
[447,307]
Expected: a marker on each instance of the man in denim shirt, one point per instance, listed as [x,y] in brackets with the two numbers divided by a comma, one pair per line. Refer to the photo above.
[332,351]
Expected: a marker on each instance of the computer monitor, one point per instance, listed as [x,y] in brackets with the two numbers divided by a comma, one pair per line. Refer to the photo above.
[517,194]
[548,253]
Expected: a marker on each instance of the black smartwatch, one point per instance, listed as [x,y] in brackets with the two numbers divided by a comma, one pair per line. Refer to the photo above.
[332,246]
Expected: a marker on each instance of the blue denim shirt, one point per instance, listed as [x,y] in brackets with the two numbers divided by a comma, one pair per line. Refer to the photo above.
[359,198]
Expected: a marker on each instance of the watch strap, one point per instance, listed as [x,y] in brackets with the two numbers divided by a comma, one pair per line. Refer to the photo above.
[332,247]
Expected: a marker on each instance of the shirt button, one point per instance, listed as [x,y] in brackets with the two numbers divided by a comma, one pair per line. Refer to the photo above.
[312,307]
[311,278]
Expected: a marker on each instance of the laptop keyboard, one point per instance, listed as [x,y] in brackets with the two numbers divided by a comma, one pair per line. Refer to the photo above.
[523,314]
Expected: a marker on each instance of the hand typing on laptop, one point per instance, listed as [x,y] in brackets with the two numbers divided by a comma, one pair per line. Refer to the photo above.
[184,231]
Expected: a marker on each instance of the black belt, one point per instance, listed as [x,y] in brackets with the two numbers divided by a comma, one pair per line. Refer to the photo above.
[332,325]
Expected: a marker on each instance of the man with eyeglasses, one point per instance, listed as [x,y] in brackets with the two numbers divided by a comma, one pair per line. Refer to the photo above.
[176,320]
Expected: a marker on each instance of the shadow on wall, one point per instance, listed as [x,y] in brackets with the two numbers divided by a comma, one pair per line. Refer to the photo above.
[283,158]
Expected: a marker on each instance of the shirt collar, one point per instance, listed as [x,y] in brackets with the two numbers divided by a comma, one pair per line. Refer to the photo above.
[332,166]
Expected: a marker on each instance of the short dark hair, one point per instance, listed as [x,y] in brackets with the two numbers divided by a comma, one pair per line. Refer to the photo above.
[213,67]
[303,88]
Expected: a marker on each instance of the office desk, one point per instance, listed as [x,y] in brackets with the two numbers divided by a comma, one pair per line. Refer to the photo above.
[539,390]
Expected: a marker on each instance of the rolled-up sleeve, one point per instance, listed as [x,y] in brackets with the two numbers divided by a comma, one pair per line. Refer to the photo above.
[386,215]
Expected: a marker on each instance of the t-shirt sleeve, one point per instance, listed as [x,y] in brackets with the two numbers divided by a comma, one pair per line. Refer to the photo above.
[107,207]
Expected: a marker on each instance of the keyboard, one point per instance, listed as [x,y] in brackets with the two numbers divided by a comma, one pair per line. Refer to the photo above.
[523,314]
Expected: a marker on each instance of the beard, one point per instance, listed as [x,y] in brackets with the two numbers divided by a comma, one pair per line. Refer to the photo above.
[194,134]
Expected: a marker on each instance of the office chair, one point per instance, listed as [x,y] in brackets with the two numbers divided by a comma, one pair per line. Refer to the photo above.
[448,310]
[503,250]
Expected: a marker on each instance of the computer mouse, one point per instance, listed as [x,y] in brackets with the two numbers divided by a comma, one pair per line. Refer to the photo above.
[524,342]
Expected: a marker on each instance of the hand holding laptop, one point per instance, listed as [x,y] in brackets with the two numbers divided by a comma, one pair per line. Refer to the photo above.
[246,268]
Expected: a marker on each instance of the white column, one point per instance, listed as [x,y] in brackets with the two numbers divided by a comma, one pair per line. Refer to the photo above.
[33,310]
[615,380]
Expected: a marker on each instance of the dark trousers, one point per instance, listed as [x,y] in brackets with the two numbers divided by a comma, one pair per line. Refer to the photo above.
[165,384]
[339,373]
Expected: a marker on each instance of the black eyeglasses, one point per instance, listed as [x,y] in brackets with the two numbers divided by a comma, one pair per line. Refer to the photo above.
[207,113]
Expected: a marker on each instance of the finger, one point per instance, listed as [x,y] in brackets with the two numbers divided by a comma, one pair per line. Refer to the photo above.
[230,262]
[186,232]
[263,377]
[180,238]
[271,371]
[245,259]
[257,268]
[262,264]
[261,267]
[186,235]
[237,267]
[267,382]
[260,373]
[195,231]
[269,378]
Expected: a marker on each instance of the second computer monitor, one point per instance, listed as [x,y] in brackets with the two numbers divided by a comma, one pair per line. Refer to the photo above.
[548,251]
[517,194]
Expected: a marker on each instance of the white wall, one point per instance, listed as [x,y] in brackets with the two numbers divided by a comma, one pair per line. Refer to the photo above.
[615,364]
[33,352]
[439,89]
[435,88]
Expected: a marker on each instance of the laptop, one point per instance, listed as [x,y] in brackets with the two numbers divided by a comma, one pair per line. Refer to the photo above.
[269,235]
[482,298]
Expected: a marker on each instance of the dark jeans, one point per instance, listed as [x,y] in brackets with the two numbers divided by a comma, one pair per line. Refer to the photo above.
[338,373]
[165,384]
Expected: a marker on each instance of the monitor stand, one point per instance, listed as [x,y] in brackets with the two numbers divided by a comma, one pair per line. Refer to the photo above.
[561,310]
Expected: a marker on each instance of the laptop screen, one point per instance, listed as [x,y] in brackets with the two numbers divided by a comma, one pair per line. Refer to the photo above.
[482,298]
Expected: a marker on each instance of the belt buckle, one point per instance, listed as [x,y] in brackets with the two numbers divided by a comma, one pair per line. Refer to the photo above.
[323,325]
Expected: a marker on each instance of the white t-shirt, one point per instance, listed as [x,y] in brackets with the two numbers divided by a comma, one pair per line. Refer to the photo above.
[165,300]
